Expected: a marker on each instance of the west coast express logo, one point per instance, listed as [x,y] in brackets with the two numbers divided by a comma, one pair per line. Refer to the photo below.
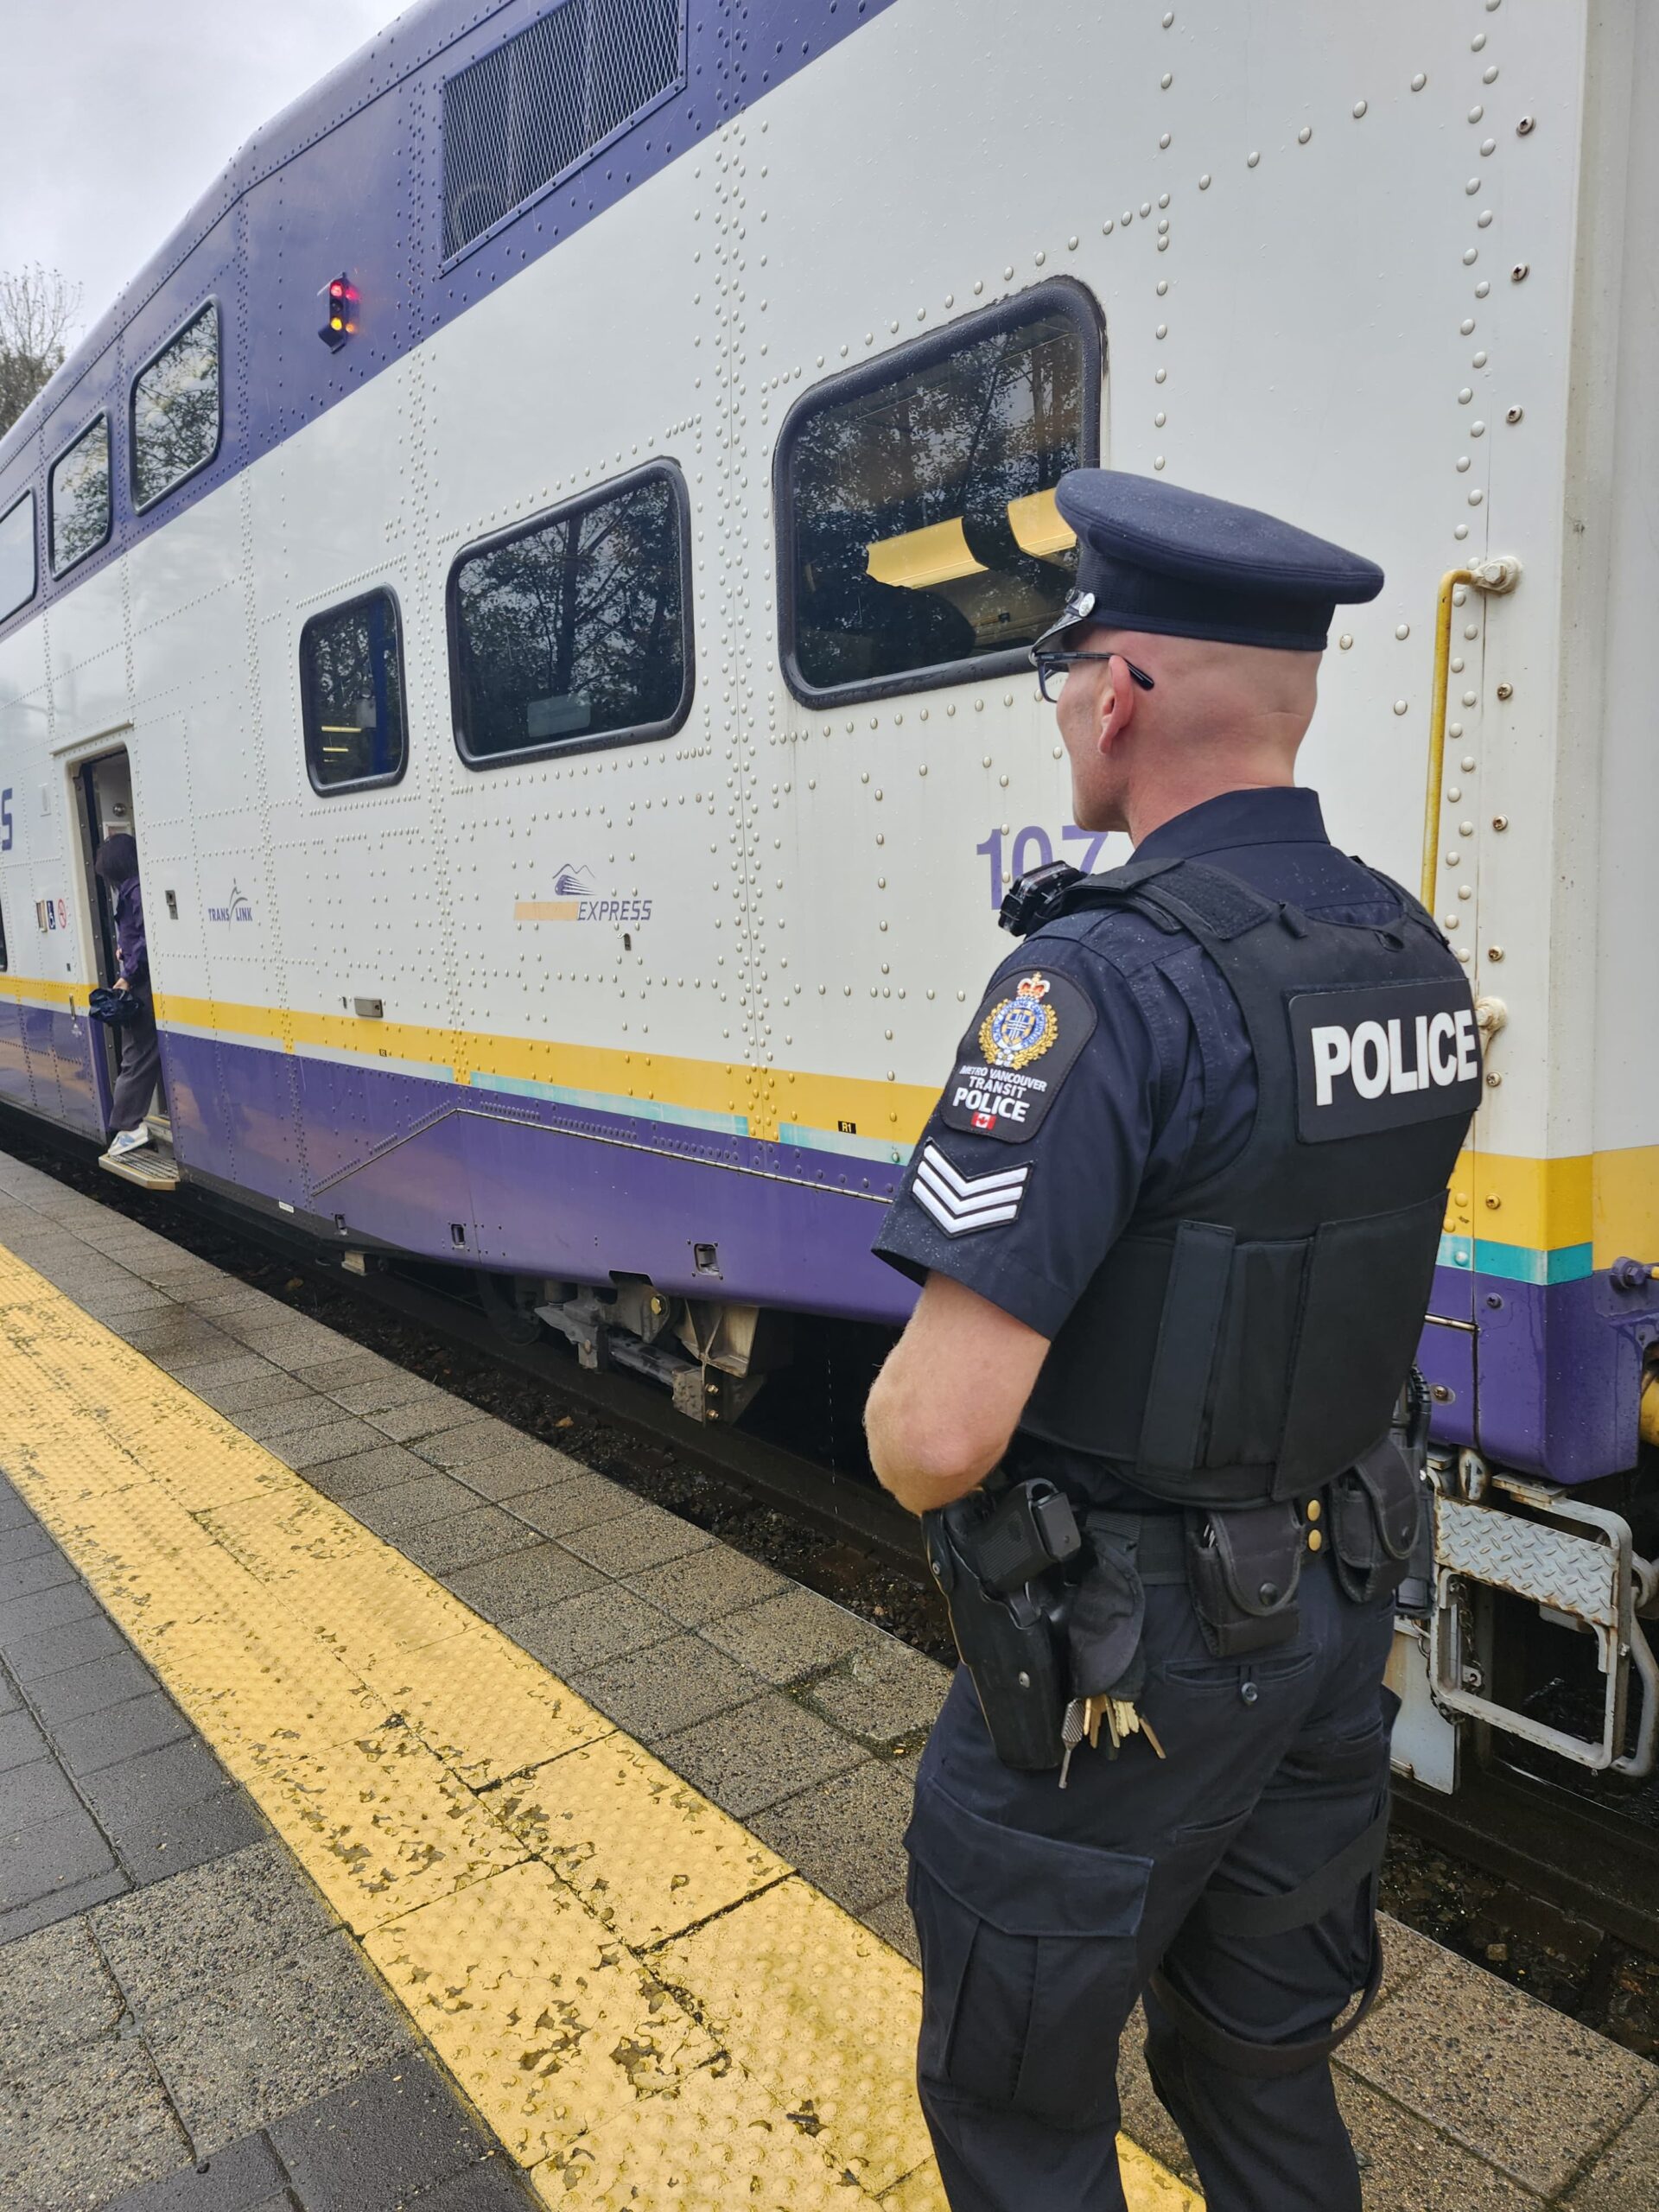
[575,899]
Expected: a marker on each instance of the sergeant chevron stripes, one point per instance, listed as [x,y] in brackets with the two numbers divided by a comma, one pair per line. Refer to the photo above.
[960,1204]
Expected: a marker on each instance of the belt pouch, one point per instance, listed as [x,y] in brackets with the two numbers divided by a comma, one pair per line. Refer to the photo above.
[1243,1569]
[1107,1617]
[1376,1513]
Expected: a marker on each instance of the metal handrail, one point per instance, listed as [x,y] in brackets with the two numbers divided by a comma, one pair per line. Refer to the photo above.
[1495,578]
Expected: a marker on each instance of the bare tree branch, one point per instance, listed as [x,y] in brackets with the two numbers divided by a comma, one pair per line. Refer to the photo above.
[37,309]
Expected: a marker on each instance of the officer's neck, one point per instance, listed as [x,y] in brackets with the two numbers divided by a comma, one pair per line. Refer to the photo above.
[1144,810]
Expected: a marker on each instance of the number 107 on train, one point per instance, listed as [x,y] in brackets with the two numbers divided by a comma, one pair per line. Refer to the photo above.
[1013,855]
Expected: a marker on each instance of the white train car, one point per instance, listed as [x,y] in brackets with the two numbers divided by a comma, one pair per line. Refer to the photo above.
[542,560]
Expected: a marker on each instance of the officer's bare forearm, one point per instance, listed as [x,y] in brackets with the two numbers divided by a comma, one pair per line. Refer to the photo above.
[945,1404]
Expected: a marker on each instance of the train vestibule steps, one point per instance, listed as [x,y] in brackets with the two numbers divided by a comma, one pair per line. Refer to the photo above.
[152,1167]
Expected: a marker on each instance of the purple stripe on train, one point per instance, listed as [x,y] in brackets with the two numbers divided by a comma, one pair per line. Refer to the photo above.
[1547,1379]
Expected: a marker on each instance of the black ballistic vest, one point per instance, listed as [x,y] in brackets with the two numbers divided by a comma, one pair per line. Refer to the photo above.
[1250,1347]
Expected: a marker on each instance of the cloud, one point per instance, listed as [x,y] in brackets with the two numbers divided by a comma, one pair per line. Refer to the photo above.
[120,113]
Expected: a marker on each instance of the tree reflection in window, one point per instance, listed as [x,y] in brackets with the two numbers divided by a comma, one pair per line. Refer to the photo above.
[80,497]
[17,577]
[352,681]
[175,411]
[925,530]
[575,629]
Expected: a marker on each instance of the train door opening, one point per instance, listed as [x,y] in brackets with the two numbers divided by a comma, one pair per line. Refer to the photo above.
[104,809]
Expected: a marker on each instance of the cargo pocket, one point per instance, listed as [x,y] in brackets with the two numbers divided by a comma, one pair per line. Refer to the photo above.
[1028,1962]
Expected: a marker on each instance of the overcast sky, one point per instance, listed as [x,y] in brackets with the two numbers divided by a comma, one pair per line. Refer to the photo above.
[119,114]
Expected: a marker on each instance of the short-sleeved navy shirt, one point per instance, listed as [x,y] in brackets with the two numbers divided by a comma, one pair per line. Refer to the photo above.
[1121,1071]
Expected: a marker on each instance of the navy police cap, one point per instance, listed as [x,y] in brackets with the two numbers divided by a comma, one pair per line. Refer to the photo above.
[1154,555]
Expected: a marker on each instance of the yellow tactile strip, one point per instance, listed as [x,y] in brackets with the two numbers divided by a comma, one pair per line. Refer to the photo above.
[649,2007]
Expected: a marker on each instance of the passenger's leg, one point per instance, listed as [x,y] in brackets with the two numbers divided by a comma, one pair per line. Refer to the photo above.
[140,1062]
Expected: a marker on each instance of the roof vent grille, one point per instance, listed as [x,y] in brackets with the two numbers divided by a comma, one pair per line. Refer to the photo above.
[519,116]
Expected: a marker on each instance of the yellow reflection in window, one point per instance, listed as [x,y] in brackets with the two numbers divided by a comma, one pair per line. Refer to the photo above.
[1038,527]
[918,559]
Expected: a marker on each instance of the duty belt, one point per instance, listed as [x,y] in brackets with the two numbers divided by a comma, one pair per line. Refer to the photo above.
[1059,1657]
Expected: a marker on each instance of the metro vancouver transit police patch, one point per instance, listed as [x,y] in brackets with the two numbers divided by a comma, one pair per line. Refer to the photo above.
[1023,1043]
[1383,1058]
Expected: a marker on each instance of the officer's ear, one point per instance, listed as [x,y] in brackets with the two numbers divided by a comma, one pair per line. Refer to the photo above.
[1118,701]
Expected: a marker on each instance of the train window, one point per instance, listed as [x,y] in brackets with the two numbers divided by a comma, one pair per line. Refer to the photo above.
[78,496]
[175,410]
[4,962]
[351,691]
[17,560]
[576,631]
[921,543]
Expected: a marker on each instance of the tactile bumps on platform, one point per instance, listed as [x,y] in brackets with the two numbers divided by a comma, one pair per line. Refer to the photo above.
[482,1706]
[644,1851]
[382,1826]
[714,2142]
[642,2000]
[552,2023]
[803,1993]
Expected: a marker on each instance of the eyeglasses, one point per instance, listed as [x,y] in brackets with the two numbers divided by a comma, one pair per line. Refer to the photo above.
[1050,665]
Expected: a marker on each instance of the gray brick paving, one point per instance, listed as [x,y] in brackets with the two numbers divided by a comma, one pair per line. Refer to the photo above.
[520,1471]
[703,1585]
[580,1503]
[184,2026]
[429,1497]
[754,1754]
[250,2048]
[523,1581]
[880,1691]
[637,1541]
[844,1834]
[667,1685]
[383,1467]
[406,1421]
[585,1631]
[162,1959]
[445,1547]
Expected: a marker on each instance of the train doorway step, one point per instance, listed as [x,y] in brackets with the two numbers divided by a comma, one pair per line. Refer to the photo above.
[152,1167]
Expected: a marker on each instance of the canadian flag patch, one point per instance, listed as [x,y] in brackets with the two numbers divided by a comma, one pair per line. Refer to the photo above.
[962,1203]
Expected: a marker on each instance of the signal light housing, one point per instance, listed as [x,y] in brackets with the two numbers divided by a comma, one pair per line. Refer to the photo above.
[341,302]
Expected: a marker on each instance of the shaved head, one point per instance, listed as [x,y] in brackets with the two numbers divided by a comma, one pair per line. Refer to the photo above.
[1220,717]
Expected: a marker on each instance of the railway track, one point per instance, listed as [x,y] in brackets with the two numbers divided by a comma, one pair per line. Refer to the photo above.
[1523,1871]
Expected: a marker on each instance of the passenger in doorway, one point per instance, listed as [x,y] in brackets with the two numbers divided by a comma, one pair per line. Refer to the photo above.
[117,865]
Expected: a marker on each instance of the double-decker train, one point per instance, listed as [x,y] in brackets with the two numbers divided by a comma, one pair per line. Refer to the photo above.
[542,560]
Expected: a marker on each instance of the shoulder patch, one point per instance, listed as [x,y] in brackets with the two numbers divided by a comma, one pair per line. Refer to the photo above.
[1023,1043]
[1384,1057]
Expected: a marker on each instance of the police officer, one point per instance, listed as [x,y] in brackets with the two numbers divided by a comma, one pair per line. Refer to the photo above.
[1175,1217]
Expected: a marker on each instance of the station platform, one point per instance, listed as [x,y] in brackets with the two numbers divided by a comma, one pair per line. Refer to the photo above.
[393,1810]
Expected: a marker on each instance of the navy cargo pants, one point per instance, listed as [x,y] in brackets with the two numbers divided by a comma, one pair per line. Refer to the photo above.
[1043,1913]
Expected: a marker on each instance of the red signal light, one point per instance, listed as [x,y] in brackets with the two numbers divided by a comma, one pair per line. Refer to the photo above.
[342,297]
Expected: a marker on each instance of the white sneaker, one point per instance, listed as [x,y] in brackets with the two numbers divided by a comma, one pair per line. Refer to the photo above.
[126,1140]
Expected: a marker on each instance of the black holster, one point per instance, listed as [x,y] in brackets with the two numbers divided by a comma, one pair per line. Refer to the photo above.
[1380,1528]
[996,1561]
[1243,1568]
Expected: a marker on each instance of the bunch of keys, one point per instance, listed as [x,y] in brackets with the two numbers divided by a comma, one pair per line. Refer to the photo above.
[1083,1717]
